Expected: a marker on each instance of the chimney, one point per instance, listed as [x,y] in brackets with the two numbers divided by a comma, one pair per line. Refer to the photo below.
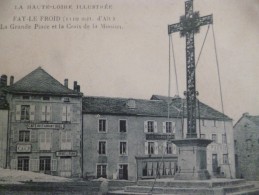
[3,80]
[245,114]
[75,85]
[78,88]
[66,83]
[11,80]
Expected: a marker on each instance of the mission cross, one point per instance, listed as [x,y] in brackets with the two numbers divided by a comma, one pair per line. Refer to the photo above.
[189,25]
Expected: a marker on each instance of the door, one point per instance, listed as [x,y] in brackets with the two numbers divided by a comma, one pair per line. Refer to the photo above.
[45,164]
[23,163]
[214,163]
[65,166]
[123,172]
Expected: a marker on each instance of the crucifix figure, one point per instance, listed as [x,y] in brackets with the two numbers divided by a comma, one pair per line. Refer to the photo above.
[189,25]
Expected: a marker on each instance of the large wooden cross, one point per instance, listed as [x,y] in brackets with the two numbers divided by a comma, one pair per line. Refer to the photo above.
[189,25]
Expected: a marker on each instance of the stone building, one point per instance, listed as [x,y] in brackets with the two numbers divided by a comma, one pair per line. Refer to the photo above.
[246,138]
[45,125]
[130,138]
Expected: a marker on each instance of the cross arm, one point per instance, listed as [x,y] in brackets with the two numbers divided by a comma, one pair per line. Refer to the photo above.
[174,28]
[206,20]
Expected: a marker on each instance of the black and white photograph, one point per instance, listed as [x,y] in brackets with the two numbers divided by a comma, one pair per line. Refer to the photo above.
[129,97]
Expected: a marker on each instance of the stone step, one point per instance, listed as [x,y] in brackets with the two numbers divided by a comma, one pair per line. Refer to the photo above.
[238,188]
[192,184]
[245,192]
[169,190]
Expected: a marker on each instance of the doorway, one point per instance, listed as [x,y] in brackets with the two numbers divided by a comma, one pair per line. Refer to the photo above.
[65,166]
[215,164]
[123,171]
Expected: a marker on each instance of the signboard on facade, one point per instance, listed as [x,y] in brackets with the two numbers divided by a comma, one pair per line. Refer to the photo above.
[66,153]
[159,136]
[45,126]
[23,148]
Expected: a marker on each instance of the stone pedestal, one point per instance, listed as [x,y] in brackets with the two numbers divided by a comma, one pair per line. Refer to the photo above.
[192,159]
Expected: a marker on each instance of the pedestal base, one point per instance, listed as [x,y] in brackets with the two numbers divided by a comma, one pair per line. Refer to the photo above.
[192,159]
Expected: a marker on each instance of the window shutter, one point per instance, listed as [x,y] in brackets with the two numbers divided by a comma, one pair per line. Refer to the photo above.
[164,147]
[32,112]
[15,135]
[34,165]
[164,127]
[43,118]
[173,127]
[68,113]
[146,148]
[156,148]
[48,140]
[64,114]
[53,165]
[145,126]
[69,140]
[48,114]
[14,164]
[33,135]
[18,112]
[174,149]
[155,127]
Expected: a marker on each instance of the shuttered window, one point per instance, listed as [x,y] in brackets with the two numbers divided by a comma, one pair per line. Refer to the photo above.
[66,113]
[46,113]
[66,140]
[45,140]
[25,112]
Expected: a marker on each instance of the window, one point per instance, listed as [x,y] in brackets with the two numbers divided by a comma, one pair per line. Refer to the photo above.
[123,148]
[203,122]
[102,147]
[66,140]
[224,139]
[24,136]
[150,126]
[66,99]
[46,112]
[102,125]
[203,136]
[25,97]
[151,147]
[45,163]
[214,138]
[123,126]
[23,163]
[215,123]
[46,98]
[101,171]
[225,159]
[66,113]
[169,127]
[45,140]
[169,148]
[25,112]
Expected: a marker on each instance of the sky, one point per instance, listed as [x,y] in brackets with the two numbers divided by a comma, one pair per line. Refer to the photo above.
[132,61]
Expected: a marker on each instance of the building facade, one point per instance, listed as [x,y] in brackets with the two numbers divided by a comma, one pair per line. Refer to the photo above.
[45,125]
[130,138]
[246,138]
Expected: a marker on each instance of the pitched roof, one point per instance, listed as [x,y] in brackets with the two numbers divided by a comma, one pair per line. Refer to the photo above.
[254,119]
[40,82]
[158,108]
